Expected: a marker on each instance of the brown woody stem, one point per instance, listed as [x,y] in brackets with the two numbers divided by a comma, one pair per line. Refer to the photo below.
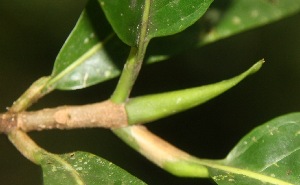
[104,114]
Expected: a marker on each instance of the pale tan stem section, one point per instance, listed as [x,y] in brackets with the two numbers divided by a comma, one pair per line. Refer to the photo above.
[26,145]
[156,149]
[162,153]
[104,114]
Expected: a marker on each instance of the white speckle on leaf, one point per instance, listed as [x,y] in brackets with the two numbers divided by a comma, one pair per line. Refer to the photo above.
[107,73]
[121,14]
[79,168]
[54,169]
[86,40]
[221,177]
[132,4]
[245,142]
[273,130]
[273,175]
[231,180]
[297,133]
[254,139]
[236,20]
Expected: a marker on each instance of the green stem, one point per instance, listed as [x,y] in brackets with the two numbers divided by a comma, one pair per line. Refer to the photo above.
[134,61]
[26,146]
[127,79]
[38,155]
[162,153]
[31,95]
[129,74]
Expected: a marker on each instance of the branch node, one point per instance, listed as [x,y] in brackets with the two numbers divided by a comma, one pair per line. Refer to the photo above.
[8,122]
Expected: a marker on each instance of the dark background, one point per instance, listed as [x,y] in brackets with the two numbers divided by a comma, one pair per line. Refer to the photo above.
[32,32]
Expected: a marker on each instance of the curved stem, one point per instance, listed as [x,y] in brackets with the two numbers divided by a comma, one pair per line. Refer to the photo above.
[31,95]
[26,145]
[162,153]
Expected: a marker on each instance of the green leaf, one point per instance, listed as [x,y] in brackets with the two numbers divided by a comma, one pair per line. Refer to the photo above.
[269,154]
[223,19]
[72,69]
[239,15]
[130,18]
[152,107]
[89,54]
[81,168]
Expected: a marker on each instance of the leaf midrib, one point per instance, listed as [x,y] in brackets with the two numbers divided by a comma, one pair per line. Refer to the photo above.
[80,60]
[246,173]
[68,167]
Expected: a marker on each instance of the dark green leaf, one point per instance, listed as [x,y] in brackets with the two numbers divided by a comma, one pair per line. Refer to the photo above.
[170,17]
[81,168]
[269,154]
[159,18]
[231,17]
[72,67]
[125,17]
[223,19]
[90,53]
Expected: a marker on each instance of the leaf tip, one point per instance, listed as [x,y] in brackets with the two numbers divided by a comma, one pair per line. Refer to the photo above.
[256,67]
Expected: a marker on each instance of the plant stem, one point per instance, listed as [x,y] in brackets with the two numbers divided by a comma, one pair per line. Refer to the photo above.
[128,77]
[31,95]
[26,145]
[134,61]
[129,74]
[161,152]
[104,114]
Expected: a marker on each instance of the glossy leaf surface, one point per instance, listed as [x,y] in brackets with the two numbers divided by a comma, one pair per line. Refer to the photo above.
[231,17]
[223,19]
[269,154]
[92,42]
[80,168]
[158,18]
[86,59]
